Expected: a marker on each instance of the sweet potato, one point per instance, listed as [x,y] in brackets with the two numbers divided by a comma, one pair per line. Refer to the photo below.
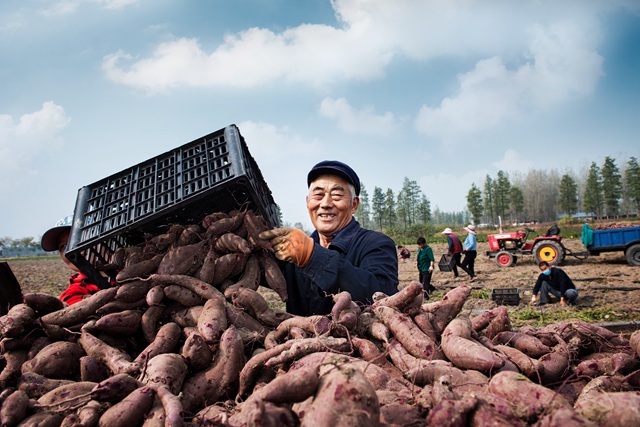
[165,341]
[612,409]
[183,259]
[92,370]
[529,399]
[530,367]
[223,225]
[13,364]
[18,319]
[65,394]
[42,303]
[140,270]
[213,320]
[79,312]
[59,360]
[116,360]
[464,352]
[211,218]
[369,325]
[404,298]
[220,379]
[115,388]
[42,419]
[149,322]
[225,266]
[165,370]
[408,333]
[634,342]
[499,323]
[130,411]
[256,305]
[254,227]
[182,295]
[118,306]
[483,319]
[196,352]
[132,291]
[35,385]
[123,323]
[452,412]
[189,236]
[164,240]
[208,268]
[303,347]
[314,325]
[250,278]
[200,288]
[14,408]
[89,414]
[241,319]
[449,307]
[528,344]
[351,397]
[231,242]
[273,276]
[609,365]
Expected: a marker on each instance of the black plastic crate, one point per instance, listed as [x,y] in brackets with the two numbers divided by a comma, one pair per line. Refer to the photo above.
[213,173]
[446,263]
[506,296]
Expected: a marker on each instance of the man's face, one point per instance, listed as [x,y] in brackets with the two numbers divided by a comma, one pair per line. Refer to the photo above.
[63,238]
[544,268]
[330,204]
[422,245]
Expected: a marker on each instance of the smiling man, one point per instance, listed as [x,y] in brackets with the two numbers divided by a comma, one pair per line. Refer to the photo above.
[339,255]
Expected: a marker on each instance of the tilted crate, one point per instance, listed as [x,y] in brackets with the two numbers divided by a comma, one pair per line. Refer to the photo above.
[213,173]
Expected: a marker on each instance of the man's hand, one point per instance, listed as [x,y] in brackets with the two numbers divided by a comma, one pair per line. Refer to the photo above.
[533,300]
[290,244]
[563,303]
[430,269]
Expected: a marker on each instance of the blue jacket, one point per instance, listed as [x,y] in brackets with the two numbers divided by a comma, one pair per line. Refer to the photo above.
[359,261]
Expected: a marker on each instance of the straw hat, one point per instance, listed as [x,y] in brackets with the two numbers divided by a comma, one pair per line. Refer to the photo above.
[447,231]
[470,229]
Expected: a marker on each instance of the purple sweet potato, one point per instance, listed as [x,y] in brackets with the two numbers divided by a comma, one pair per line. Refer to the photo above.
[619,409]
[120,324]
[58,360]
[529,399]
[183,259]
[528,344]
[213,320]
[408,333]
[17,321]
[42,303]
[464,352]
[130,411]
[14,408]
[81,311]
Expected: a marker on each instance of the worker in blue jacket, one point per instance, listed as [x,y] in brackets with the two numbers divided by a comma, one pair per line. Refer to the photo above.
[556,282]
[339,255]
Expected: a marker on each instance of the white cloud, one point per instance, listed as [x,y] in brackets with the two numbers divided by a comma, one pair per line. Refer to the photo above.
[563,64]
[513,161]
[354,121]
[65,7]
[32,135]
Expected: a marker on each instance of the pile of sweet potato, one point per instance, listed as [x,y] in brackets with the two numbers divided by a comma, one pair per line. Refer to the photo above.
[185,338]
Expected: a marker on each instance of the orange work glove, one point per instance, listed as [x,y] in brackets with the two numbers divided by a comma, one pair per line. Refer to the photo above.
[290,244]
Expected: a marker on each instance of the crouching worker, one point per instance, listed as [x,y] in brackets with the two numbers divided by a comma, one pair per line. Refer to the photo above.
[55,239]
[339,255]
[556,282]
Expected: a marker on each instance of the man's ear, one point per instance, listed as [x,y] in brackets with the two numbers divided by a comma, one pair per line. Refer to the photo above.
[356,203]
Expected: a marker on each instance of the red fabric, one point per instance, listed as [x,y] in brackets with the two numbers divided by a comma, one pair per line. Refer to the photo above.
[78,289]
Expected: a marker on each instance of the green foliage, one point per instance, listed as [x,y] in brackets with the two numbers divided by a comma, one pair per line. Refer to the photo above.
[611,186]
[474,203]
[568,198]
[377,204]
[363,214]
[501,194]
[516,199]
[632,184]
[592,196]
[489,203]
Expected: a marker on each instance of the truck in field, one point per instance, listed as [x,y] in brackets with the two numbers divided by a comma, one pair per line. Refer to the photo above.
[625,239]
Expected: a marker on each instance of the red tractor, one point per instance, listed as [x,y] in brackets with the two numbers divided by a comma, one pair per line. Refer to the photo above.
[507,247]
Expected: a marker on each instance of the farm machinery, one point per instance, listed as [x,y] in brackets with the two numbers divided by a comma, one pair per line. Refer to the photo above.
[507,247]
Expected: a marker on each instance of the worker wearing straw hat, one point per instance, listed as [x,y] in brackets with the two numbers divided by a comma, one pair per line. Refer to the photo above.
[469,249]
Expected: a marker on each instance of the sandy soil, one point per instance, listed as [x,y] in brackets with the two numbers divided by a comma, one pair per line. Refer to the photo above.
[597,278]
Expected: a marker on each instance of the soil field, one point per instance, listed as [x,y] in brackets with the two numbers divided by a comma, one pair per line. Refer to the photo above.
[609,287]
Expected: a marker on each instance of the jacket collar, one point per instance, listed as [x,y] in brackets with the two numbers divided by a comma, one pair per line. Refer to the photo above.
[342,239]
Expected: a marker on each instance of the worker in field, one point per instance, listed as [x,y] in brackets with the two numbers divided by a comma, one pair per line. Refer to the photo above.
[556,282]
[339,255]
[55,239]
[426,263]
[455,250]
[469,249]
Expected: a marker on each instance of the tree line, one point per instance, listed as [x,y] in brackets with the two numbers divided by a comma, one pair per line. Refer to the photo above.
[603,191]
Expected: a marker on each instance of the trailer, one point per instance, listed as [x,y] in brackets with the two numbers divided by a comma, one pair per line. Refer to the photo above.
[625,239]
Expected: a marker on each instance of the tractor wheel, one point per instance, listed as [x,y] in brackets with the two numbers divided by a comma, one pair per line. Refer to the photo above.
[549,251]
[633,254]
[504,259]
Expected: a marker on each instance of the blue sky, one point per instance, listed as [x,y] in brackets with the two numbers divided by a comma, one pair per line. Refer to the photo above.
[441,92]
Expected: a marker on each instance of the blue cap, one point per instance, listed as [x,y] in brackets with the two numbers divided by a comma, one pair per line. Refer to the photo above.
[334,167]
